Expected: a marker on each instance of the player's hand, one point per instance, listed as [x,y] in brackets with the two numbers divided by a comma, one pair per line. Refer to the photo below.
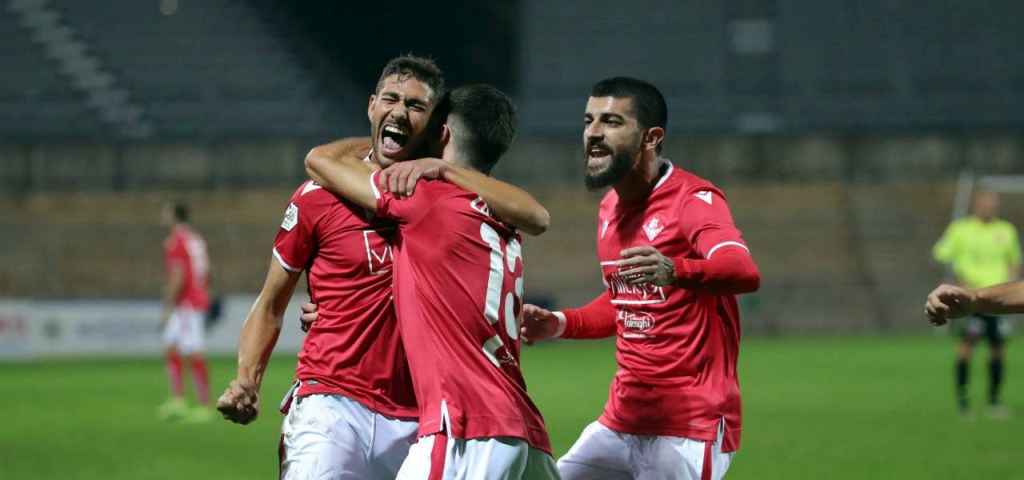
[401,177]
[538,324]
[308,316]
[646,265]
[240,402]
[946,302]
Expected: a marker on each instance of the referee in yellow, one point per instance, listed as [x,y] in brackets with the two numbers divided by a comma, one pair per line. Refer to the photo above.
[983,251]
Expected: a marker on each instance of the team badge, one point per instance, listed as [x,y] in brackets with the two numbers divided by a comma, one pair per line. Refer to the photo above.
[291,217]
[653,228]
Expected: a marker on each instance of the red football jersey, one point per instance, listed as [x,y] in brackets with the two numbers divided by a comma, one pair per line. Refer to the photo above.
[676,348]
[186,249]
[458,293]
[353,348]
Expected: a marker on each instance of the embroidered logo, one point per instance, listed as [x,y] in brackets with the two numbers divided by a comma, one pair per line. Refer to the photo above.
[291,217]
[704,195]
[653,228]
[480,205]
[604,228]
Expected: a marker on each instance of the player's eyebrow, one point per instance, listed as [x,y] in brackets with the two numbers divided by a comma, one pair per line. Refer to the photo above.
[613,116]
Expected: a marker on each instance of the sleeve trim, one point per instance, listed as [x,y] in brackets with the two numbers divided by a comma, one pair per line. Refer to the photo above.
[725,244]
[373,184]
[561,324]
[284,263]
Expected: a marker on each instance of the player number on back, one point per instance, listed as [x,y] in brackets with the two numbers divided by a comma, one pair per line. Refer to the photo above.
[494,307]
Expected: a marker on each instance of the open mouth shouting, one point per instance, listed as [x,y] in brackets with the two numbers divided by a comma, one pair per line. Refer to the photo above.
[393,138]
[599,157]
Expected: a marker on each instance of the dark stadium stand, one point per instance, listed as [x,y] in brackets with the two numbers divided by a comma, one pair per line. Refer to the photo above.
[208,70]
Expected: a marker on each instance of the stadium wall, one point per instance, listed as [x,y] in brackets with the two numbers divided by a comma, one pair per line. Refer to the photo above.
[841,227]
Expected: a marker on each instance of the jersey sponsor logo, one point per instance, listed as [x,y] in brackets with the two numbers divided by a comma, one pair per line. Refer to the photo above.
[704,195]
[379,256]
[291,217]
[653,227]
[623,293]
[635,321]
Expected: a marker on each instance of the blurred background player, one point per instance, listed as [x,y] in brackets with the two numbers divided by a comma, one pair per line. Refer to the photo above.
[185,302]
[672,261]
[983,251]
[458,294]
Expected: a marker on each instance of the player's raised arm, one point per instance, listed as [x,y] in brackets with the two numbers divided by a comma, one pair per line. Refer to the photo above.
[509,203]
[339,168]
[240,401]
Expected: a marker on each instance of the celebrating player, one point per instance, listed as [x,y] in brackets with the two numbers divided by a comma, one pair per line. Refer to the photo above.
[458,293]
[185,302]
[983,251]
[673,262]
[353,413]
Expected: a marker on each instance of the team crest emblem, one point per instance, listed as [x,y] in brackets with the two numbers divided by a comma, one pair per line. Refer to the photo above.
[653,228]
[291,217]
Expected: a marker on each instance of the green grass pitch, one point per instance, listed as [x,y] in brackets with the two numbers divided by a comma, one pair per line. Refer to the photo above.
[832,408]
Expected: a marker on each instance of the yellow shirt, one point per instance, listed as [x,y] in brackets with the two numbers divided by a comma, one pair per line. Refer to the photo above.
[982,253]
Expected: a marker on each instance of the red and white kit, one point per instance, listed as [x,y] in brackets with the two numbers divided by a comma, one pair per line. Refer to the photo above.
[184,249]
[362,419]
[677,345]
[458,293]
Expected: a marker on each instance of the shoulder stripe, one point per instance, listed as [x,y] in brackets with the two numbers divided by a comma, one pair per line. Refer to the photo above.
[726,244]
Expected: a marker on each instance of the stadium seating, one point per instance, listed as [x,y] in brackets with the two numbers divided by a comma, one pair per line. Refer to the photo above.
[204,70]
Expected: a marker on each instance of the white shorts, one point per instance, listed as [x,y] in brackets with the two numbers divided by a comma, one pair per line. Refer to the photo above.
[337,438]
[439,457]
[184,331]
[604,454]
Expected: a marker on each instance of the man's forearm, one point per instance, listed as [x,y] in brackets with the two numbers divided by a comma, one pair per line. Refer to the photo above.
[596,319]
[256,343]
[341,170]
[263,325]
[172,291]
[510,203]
[1003,298]
[730,272]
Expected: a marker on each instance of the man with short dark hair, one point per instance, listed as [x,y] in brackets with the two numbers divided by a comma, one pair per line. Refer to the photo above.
[352,412]
[672,262]
[185,302]
[458,289]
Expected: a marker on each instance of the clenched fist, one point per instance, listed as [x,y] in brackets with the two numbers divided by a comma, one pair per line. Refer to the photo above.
[240,402]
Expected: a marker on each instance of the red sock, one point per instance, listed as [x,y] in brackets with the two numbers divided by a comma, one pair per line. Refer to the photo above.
[201,378]
[174,373]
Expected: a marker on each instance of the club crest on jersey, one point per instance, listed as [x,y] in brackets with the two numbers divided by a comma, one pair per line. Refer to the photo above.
[291,217]
[653,227]
[704,195]
[480,205]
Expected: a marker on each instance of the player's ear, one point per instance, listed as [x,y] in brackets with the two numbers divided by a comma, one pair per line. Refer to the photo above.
[653,137]
[446,135]
[369,107]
